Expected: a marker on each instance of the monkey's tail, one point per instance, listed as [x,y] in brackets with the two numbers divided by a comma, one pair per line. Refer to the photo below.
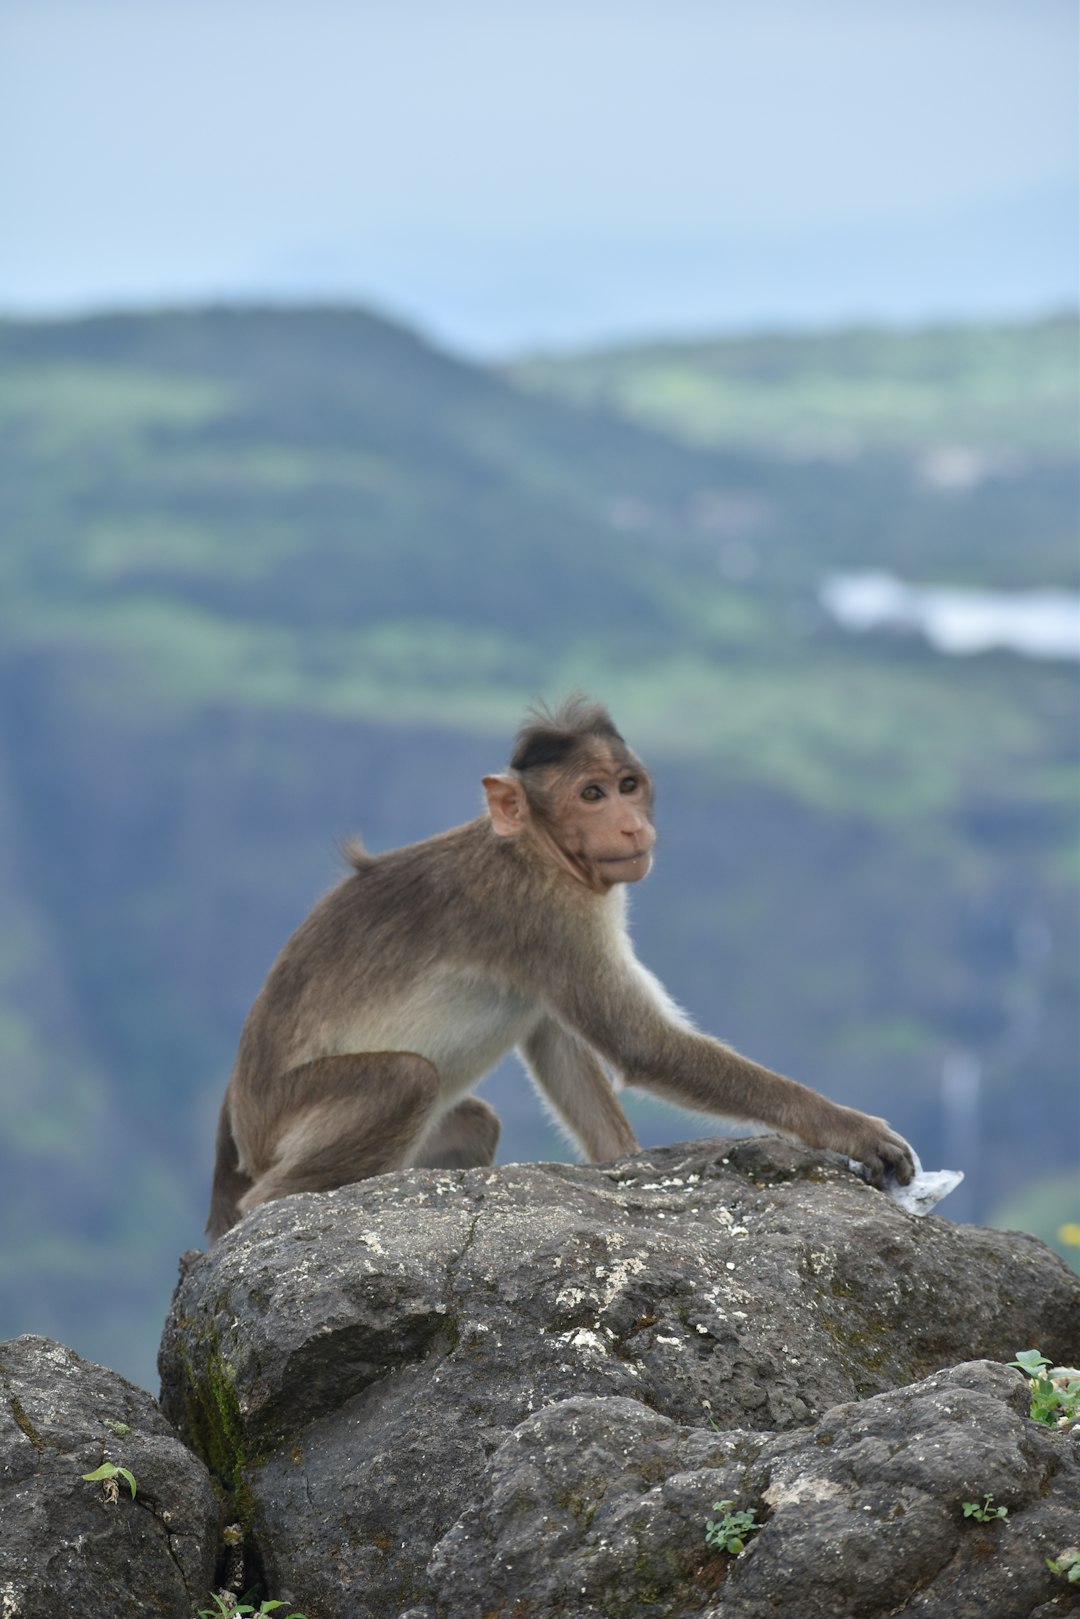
[354,852]
[230,1182]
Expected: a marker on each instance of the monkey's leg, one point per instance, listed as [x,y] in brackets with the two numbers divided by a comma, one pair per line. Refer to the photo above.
[346,1118]
[464,1138]
[571,1077]
[230,1182]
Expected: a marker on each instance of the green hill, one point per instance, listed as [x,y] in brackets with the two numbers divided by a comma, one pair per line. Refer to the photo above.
[957,444]
[1008,391]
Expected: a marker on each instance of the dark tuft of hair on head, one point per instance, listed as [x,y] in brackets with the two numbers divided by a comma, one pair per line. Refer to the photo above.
[548,738]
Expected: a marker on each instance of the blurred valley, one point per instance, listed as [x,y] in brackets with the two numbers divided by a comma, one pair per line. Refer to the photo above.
[272,576]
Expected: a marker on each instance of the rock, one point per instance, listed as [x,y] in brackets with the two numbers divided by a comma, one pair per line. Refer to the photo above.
[67,1548]
[597,1507]
[352,1364]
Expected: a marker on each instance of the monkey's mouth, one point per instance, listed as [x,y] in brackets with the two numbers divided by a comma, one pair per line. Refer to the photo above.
[624,859]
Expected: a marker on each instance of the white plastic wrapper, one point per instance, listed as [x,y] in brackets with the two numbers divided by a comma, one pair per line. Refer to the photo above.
[927,1187]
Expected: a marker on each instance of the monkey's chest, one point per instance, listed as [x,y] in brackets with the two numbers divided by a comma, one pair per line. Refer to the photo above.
[461,1023]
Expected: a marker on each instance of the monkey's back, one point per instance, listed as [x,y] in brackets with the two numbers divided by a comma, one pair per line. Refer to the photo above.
[403,955]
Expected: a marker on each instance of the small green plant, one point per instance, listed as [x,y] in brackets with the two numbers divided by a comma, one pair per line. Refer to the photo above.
[228,1606]
[728,1534]
[1054,1390]
[983,1512]
[108,1473]
[1067,1564]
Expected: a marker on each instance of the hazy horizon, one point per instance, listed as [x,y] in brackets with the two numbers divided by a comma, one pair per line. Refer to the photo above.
[549,178]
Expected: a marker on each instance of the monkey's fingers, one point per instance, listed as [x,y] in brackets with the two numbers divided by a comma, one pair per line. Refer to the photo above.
[887,1165]
[883,1152]
[899,1158]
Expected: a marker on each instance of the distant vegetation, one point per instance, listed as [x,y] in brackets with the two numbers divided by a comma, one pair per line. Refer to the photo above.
[1006,392]
[270,576]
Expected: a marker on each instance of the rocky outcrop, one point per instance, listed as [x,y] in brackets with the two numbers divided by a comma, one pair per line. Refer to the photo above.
[597,1507]
[73,1546]
[520,1391]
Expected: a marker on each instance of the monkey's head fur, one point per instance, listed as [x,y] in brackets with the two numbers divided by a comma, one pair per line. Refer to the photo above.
[547,737]
[578,794]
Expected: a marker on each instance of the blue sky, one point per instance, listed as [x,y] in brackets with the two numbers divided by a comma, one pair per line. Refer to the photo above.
[547,172]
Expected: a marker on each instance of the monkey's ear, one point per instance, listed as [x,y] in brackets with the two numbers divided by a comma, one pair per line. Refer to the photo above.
[508,805]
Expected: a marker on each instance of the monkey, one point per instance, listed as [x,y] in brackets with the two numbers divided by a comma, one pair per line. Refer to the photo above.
[427,963]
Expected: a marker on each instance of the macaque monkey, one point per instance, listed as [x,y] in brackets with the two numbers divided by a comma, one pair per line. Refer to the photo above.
[425,965]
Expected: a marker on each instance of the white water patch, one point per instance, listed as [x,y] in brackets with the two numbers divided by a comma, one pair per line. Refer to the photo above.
[1036,623]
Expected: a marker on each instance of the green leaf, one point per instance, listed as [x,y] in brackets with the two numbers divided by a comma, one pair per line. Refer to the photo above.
[1030,1361]
[729,1533]
[109,1470]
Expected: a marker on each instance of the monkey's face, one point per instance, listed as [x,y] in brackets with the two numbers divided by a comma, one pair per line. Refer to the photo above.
[600,812]
[590,814]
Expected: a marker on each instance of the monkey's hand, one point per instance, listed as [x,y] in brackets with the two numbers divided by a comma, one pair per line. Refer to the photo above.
[874,1144]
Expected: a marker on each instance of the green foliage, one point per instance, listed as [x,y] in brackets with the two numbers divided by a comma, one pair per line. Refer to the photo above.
[983,1512]
[228,1607]
[1054,1390]
[108,1473]
[1067,1564]
[841,392]
[729,1533]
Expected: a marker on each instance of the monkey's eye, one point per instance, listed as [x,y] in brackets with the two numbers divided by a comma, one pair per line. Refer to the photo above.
[629,784]
[592,792]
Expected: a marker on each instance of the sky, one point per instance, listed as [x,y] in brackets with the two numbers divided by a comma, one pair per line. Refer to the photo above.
[512,175]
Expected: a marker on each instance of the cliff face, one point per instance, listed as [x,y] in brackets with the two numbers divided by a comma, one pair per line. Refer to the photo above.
[522,1390]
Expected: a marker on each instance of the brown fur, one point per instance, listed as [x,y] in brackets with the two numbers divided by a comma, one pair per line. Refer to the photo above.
[416,973]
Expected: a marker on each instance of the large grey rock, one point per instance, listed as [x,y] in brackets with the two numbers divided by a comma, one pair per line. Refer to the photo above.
[350,1362]
[65,1547]
[596,1509]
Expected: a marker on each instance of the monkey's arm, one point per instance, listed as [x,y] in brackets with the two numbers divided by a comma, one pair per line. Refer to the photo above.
[575,1084]
[631,1023]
